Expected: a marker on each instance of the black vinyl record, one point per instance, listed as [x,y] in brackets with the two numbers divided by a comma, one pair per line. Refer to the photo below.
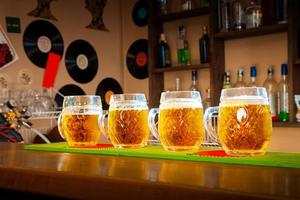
[140,13]
[67,90]
[137,59]
[81,61]
[39,39]
[106,88]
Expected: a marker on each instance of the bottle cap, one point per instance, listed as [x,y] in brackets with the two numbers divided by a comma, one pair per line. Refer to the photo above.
[194,75]
[252,71]
[162,37]
[270,70]
[284,69]
[181,28]
[241,72]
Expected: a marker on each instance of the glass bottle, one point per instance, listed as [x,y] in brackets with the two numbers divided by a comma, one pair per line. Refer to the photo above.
[163,52]
[252,76]
[271,87]
[240,79]
[284,95]
[194,86]
[238,16]
[227,82]
[204,46]
[181,52]
[253,15]
[226,10]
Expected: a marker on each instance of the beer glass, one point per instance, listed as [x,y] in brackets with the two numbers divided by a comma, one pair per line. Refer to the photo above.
[127,121]
[244,121]
[180,121]
[78,121]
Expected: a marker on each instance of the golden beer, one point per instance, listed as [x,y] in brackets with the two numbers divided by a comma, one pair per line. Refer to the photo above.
[245,129]
[80,129]
[181,128]
[128,127]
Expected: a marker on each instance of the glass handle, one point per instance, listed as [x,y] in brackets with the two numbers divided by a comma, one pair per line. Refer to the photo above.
[152,124]
[60,129]
[208,123]
[103,123]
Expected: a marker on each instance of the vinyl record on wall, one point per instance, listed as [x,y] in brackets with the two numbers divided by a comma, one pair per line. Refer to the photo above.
[39,39]
[106,88]
[67,90]
[137,59]
[140,13]
[81,61]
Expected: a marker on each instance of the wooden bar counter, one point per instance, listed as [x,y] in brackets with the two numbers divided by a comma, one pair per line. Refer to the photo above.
[80,176]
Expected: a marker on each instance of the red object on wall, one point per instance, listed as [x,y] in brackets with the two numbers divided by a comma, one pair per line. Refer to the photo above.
[51,70]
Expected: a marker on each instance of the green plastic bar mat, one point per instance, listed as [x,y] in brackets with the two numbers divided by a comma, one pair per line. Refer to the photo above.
[271,159]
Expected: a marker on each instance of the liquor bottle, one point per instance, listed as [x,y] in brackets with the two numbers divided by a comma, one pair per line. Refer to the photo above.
[227,83]
[194,86]
[238,16]
[253,15]
[271,87]
[240,79]
[252,76]
[182,45]
[226,12]
[163,52]
[204,46]
[186,4]
[283,95]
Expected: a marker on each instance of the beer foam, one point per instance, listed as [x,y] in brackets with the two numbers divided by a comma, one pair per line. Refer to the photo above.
[244,99]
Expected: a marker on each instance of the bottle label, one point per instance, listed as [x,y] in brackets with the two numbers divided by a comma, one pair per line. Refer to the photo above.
[273,104]
[284,102]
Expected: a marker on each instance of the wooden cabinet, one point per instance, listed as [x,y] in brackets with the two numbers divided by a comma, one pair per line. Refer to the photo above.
[217,48]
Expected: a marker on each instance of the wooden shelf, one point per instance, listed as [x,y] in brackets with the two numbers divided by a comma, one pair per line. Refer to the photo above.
[297,61]
[181,68]
[286,124]
[182,15]
[263,30]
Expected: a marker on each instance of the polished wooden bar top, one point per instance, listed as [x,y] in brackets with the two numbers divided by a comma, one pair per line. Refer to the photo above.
[111,177]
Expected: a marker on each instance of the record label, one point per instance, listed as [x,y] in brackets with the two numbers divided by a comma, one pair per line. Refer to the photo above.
[40,38]
[81,61]
[137,59]
[140,13]
[67,90]
[106,88]
[44,44]
[141,59]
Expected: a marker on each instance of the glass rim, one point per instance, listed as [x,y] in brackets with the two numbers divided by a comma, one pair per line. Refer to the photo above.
[241,88]
[69,96]
[129,94]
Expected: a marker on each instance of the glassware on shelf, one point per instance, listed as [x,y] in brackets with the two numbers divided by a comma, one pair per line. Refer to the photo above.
[186,4]
[226,14]
[253,15]
[238,16]
[163,7]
